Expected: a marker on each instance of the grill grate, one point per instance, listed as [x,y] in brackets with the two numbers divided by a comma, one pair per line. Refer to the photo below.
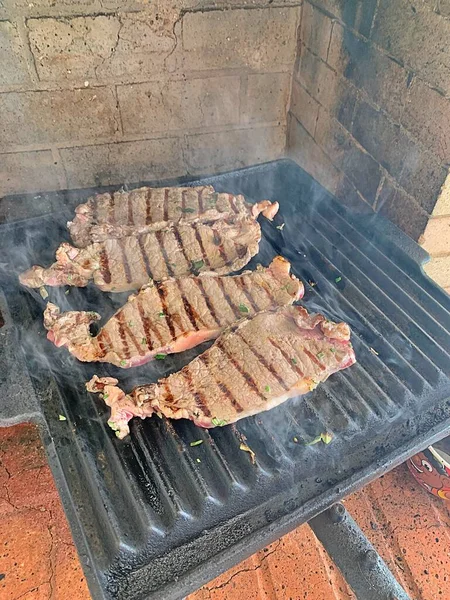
[148,518]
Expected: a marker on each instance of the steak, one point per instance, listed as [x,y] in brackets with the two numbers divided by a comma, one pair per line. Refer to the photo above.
[253,366]
[120,264]
[173,316]
[120,214]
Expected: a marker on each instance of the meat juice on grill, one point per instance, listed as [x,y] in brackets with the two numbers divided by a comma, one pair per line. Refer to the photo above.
[174,315]
[254,365]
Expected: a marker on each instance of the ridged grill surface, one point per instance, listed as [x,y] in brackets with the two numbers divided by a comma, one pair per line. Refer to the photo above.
[159,516]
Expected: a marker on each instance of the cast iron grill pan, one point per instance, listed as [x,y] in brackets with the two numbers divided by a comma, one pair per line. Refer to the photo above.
[149,520]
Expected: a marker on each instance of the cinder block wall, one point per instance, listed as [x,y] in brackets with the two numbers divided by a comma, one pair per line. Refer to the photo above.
[370,110]
[107,91]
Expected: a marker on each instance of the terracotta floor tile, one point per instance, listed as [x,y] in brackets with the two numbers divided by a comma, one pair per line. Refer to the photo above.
[38,561]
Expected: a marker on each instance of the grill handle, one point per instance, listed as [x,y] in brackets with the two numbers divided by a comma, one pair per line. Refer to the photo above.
[18,403]
[359,562]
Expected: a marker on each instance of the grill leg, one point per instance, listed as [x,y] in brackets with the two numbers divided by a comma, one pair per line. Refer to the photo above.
[359,562]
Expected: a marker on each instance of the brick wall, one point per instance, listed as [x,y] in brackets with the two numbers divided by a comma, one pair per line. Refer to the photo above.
[108,91]
[370,110]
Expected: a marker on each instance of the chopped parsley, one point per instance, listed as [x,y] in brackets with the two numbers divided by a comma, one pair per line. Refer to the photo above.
[320,355]
[67,292]
[245,448]
[187,210]
[295,439]
[197,264]
[243,308]
[325,437]
[143,341]
[196,443]
[131,323]
[294,361]
[198,460]
[280,227]
[160,356]
[123,363]
[43,292]
[267,388]
[333,350]
[161,314]
[62,418]
[105,396]
[218,422]
[338,279]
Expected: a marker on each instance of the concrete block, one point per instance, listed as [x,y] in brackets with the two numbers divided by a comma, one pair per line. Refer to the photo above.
[402,209]
[427,116]
[306,152]
[13,68]
[315,30]
[382,138]
[125,162]
[340,147]
[259,39]
[265,98]
[214,152]
[384,81]
[55,116]
[125,47]
[318,78]
[183,104]
[27,172]
[347,193]
[442,207]
[438,269]
[417,36]
[357,14]
[304,107]
[436,237]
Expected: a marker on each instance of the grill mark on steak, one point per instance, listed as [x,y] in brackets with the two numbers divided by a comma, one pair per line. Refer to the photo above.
[159,239]
[111,209]
[200,243]
[126,264]
[148,206]
[247,377]
[130,333]
[200,201]
[145,257]
[147,326]
[227,393]
[123,337]
[179,239]
[217,239]
[104,340]
[200,399]
[163,297]
[286,357]
[192,314]
[169,396]
[166,204]
[104,266]
[130,210]
[314,359]
[212,312]
[264,362]
[231,304]
[239,281]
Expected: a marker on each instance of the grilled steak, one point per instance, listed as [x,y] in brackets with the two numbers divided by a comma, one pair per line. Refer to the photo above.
[120,214]
[128,263]
[253,366]
[173,316]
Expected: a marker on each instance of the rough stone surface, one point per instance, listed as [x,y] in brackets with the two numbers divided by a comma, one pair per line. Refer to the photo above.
[318,78]
[123,46]
[383,139]
[265,98]
[436,237]
[357,14]
[341,148]
[57,116]
[416,35]
[27,172]
[180,105]
[427,116]
[315,30]
[400,208]
[304,107]
[439,270]
[13,66]
[382,79]
[126,162]
[214,152]
[260,39]
[310,156]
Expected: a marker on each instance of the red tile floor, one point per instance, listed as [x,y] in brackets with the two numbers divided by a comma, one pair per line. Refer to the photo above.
[38,560]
